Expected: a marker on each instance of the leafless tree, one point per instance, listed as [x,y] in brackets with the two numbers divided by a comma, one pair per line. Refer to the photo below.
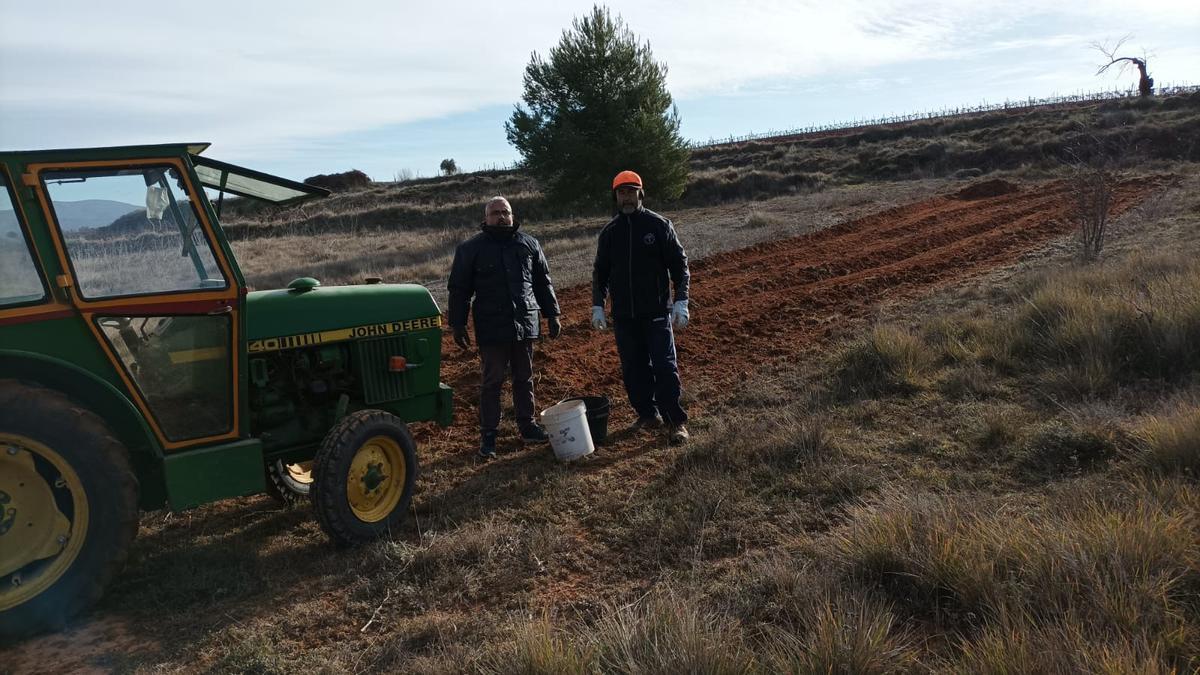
[1093,193]
[1145,82]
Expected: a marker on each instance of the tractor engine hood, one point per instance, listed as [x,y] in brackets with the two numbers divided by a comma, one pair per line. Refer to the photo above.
[308,314]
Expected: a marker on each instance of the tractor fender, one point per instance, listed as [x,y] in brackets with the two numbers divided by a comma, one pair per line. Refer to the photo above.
[106,401]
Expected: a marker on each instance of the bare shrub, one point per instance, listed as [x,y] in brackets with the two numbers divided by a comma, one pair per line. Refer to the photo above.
[1092,199]
[1093,161]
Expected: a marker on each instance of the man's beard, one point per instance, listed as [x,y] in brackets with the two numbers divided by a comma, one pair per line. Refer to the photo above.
[629,207]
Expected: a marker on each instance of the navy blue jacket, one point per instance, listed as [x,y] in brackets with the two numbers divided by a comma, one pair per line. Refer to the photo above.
[509,279]
[638,257]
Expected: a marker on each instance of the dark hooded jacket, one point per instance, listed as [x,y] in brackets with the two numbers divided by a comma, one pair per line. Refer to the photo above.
[505,273]
[638,257]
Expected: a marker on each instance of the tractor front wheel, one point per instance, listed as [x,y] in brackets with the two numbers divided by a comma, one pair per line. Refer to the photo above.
[363,477]
[68,508]
[289,483]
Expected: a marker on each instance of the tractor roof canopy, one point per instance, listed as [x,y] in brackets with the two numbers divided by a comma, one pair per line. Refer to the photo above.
[220,176]
[245,182]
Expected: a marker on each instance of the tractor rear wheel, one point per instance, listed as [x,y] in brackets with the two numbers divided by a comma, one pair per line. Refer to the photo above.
[68,508]
[363,477]
[289,483]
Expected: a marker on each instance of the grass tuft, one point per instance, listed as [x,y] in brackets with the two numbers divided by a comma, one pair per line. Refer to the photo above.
[1171,444]
[890,360]
[846,637]
[668,634]
[1110,325]
[1111,564]
[538,648]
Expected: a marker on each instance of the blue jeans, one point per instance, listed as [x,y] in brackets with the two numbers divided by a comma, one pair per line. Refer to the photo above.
[647,350]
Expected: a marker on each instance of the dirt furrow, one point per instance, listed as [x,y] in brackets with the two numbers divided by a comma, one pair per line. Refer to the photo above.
[775,299]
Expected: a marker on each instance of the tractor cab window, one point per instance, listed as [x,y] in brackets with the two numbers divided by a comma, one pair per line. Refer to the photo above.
[19,280]
[180,365]
[132,231]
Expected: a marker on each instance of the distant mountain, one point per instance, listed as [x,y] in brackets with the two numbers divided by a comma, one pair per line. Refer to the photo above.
[91,213]
[85,214]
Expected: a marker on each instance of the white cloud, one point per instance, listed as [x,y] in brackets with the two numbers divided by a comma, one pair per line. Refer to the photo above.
[250,74]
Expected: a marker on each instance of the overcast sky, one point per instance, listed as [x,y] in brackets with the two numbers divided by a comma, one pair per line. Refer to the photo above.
[300,87]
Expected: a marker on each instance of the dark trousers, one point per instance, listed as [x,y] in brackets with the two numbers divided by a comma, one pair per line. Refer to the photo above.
[495,362]
[647,350]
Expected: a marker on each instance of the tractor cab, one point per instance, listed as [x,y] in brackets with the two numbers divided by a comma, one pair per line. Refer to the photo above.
[136,370]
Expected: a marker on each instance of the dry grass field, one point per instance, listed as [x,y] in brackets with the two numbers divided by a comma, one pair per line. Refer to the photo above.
[926,439]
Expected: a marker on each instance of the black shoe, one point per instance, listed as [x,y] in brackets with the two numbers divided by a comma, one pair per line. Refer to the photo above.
[534,433]
[650,422]
[487,444]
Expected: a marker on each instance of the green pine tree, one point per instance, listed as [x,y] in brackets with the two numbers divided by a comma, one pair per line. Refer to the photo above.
[599,105]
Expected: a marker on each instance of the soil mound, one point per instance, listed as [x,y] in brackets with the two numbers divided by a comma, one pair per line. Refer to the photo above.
[988,188]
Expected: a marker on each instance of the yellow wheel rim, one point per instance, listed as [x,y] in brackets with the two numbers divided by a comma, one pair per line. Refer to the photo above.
[376,480]
[301,473]
[43,518]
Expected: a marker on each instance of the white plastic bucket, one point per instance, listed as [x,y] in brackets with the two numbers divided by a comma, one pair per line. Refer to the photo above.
[566,424]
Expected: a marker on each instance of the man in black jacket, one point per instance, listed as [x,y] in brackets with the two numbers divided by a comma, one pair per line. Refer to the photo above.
[506,273]
[638,258]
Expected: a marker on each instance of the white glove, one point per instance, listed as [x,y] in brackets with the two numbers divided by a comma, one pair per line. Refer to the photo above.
[598,321]
[679,314]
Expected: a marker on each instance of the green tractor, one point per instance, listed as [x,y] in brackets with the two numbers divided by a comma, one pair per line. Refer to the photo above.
[137,372]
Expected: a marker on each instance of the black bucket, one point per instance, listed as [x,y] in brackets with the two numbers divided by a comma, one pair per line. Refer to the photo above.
[597,416]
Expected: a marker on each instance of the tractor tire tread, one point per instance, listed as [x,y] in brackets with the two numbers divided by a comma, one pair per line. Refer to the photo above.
[337,441]
[22,398]
[278,490]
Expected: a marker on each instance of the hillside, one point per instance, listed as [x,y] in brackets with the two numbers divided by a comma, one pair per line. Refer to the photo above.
[926,439]
[740,194]
[1023,140]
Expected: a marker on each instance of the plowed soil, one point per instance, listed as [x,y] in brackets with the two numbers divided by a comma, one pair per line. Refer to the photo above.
[750,308]
[774,300]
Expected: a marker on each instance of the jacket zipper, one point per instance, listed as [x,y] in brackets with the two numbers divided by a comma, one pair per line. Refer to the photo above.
[629,222]
[505,248]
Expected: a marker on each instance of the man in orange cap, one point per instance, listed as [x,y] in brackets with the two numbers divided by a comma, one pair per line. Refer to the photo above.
[638,258]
